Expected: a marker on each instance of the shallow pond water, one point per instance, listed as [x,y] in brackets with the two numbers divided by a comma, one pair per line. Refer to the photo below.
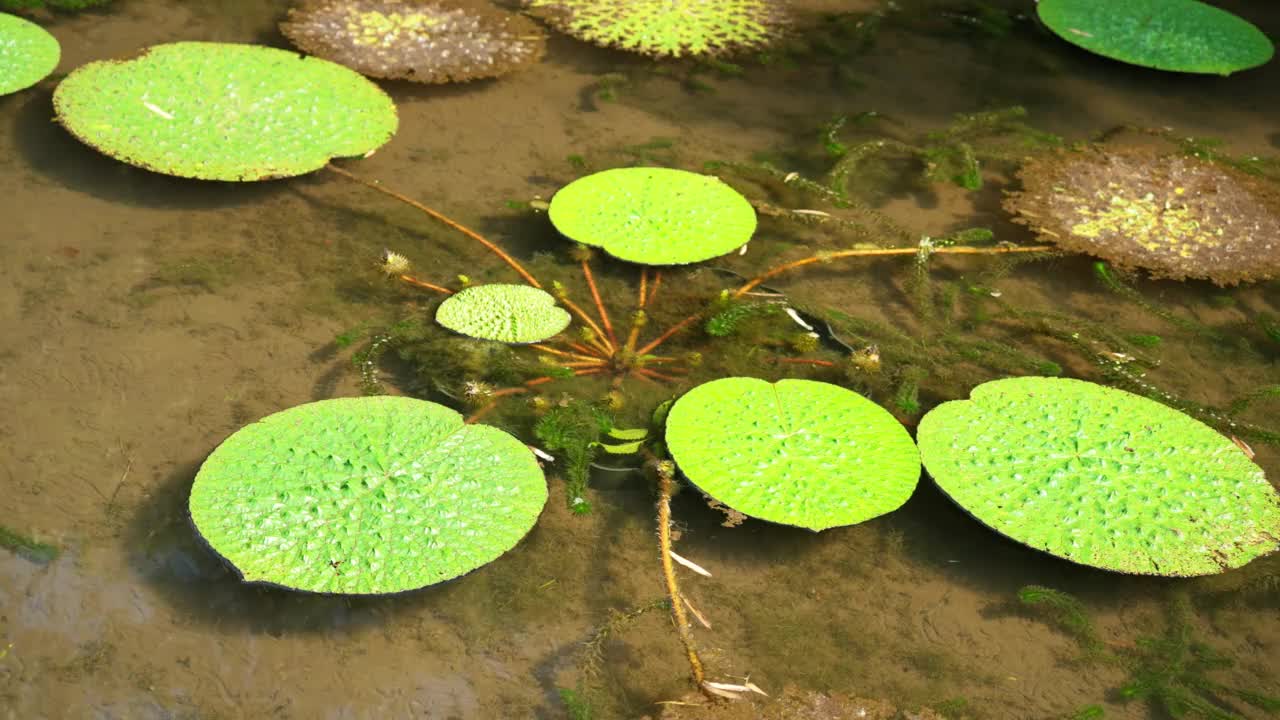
[146,318]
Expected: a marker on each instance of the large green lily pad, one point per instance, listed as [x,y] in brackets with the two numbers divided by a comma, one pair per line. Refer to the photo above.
[1101,477]
[28,53]
[506,313]
[220,111]
[654,216]
[1177,35]
[365,495]
[795,452]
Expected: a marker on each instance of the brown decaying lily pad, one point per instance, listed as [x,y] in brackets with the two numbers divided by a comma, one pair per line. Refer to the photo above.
[428,41]
[1174,216]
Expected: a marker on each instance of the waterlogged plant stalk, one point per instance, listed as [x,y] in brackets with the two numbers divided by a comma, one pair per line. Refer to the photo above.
[440,217]
[881,252]
[666,485]
[595,296]
[825,257]
[411,280]
[637,319]
[561,353]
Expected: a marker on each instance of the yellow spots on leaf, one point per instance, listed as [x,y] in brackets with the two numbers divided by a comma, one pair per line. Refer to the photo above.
[376,28]
[1157,225]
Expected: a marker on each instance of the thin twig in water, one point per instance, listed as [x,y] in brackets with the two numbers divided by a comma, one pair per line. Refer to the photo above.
[120,483]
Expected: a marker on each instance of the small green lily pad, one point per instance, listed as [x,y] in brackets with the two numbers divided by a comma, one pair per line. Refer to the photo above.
[515,314]
[1176,35]
[221,111]
[1101,477]
[654,216]
[795,452]
[365,495]
[28,53]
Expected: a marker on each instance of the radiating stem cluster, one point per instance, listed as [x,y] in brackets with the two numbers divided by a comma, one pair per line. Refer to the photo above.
[598,350]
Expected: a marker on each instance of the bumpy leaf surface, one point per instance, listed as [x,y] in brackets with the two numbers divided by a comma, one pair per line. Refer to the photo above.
[654,216]
[28,53]
[1177,35]
[669,28]
[219,111]
[1101,477]
[506,313]
[432,41]
[795,452]
[365,496]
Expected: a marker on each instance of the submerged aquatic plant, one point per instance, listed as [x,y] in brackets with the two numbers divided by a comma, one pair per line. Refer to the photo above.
[573,430]
[221,111]
[1177,35]
[579,701]
[1171,215]
[668,28]
[1170,671]
[28,53]
[27,547]
[955,154]
[365,496]
[1101,477]
[1067,612]
[428,41]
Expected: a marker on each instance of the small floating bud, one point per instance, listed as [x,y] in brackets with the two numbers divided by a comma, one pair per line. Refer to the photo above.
[867,359]
[803,342]
[613,400]
[394,264]
[476,391]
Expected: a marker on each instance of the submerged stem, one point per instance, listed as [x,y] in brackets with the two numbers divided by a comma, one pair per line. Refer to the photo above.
[598,340]
[411,280]
[865,252]
[595,296]
[880,252]
[666,485]
[440,217]
[637,318]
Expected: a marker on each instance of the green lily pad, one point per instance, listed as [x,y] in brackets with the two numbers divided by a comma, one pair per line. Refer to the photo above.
[365,495]
[669,28]
[506,313]
[1177,35]
[654,216]
[28,53]
[1101,477]
[220,111]
[795,452]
